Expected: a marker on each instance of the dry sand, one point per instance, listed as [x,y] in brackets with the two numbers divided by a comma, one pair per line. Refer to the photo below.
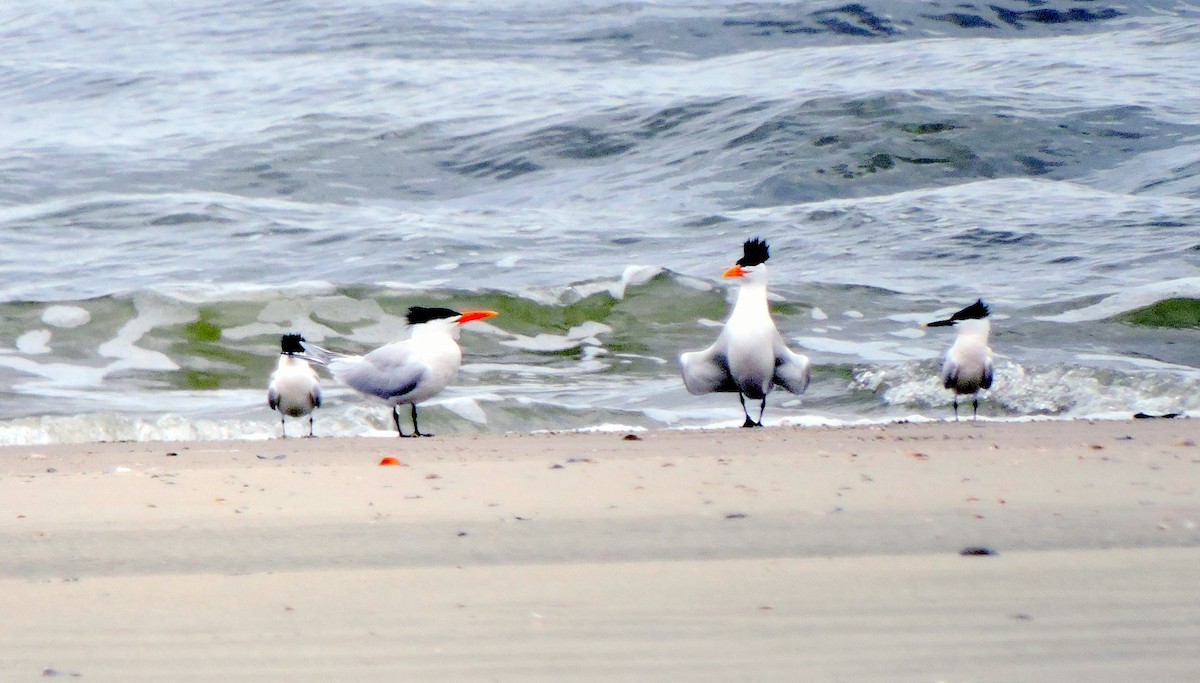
[818,554]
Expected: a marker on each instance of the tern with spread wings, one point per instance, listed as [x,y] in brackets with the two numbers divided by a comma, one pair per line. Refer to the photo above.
[749,357]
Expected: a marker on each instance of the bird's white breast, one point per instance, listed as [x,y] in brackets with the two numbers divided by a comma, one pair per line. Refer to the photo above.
[749,337]
[294,381]
[442,358]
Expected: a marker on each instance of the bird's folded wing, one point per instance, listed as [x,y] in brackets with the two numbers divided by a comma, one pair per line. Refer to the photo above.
[706,371]
[791,369]
[315,395]
[273,397]
[988,372]
[949,373]
[387,372]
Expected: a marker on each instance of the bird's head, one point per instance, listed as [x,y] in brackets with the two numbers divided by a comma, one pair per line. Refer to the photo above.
[752,266]
[969,318]
[442,318]
[291,343]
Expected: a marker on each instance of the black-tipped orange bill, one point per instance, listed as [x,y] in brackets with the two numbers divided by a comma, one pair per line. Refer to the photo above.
[734,271]
[468,316]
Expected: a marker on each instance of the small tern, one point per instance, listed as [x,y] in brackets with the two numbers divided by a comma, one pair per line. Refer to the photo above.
[749,356]
[968,365]
[408,371]
[294,389]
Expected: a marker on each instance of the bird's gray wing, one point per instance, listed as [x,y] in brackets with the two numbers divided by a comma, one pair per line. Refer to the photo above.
[315,395]
[387,372]
[706,371]
[272,397]
[791,369]
[988,371]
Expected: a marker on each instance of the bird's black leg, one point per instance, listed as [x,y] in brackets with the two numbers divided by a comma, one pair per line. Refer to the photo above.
[761,409]
[310,426]
[956,407]
[283,427]
[416,430]
[975,407]
[396,418]
[749,422]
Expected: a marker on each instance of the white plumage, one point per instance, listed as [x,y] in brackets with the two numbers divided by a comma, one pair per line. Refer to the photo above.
[409,371]
[294,389]
[749,356]
[968,368]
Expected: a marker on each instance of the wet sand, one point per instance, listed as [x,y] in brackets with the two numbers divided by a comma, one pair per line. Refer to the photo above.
[784,554]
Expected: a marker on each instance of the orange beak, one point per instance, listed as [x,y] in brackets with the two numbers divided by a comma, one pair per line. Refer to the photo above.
[734,271]
[468,316]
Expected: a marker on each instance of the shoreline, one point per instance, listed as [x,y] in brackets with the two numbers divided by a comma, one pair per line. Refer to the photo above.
[30,432]
[678,555]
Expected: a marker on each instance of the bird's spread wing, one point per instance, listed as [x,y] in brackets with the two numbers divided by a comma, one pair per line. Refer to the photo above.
[791,369]
[706,371]
[387,372]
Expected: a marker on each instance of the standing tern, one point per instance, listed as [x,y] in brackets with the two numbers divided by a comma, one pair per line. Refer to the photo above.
[294,389]
[749,356]
[968,364]
[406,371]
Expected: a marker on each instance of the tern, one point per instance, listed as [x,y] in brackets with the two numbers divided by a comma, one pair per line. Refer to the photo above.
[749,356]
[968,365]
[294,389]
[408,371]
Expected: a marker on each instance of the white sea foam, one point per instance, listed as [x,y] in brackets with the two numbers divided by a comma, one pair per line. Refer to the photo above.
[66,317]
[210,292]
[34,342]
[466,408]
[878,351]
[152,312]
[1131,299]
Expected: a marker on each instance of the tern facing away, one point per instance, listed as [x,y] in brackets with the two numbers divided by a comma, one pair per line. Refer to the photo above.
[294,389]
[968,365]
[406,371]
[749,356]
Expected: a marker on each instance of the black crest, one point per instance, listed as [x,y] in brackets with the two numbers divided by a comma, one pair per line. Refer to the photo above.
[754,252]
[422,314]
[292,343]
[976,311]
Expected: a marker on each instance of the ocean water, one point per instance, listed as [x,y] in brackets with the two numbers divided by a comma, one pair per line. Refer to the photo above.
[184,182]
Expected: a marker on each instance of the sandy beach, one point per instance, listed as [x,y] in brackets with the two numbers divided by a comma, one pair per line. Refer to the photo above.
[782,554]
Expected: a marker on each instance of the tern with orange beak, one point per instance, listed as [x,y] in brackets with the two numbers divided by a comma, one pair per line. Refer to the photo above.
[409,371]
[749,356]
